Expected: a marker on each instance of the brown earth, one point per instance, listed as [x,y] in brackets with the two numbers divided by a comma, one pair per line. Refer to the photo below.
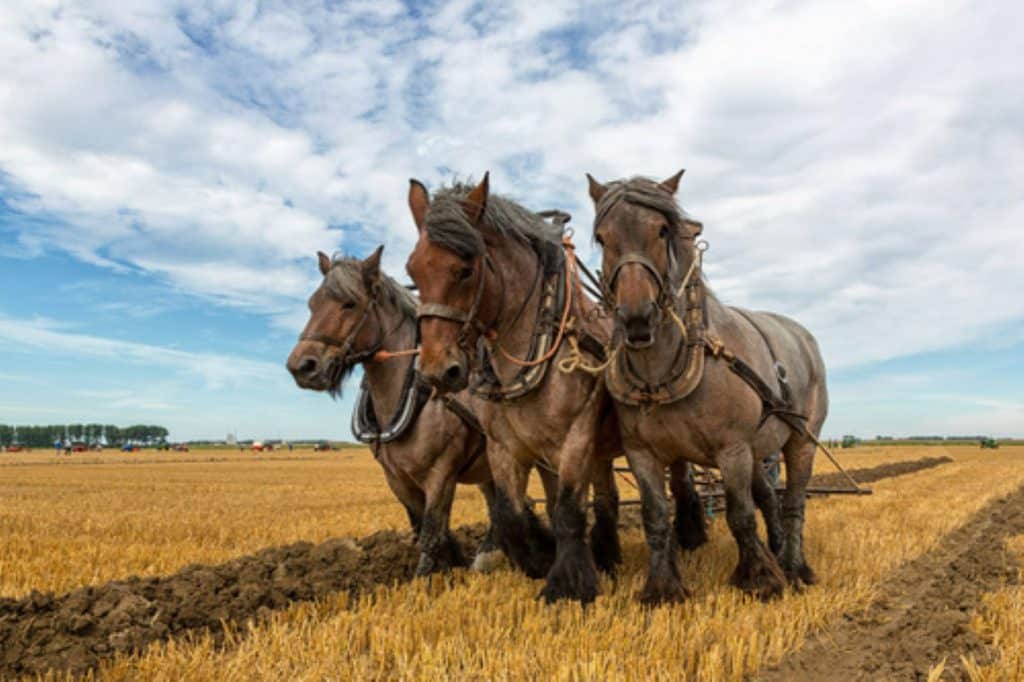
[924,611]
[876,473]
[74,631]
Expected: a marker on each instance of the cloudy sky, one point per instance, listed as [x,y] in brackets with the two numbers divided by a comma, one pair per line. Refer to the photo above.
[169,169]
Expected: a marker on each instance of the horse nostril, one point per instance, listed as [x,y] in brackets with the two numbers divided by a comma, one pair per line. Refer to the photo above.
[307,366]
[453,374]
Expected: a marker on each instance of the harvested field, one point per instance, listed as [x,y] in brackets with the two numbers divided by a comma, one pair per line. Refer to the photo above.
[413,630]
[75,631]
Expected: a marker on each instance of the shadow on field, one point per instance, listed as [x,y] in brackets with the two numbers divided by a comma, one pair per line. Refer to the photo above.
[75,631]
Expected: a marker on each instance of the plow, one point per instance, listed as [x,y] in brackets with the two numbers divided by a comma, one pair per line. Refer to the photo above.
[708,483]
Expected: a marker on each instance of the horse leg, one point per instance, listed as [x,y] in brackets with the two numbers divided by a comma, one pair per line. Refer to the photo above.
[664,582]
[768,502]
[758,571]
[411,497]
[690,522]
[548,479]
[488,554]
[439,551]
[604,535]
[799,455]
[574,575]
[525,541]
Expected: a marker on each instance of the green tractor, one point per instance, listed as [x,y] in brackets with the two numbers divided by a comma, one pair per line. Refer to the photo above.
[989,443]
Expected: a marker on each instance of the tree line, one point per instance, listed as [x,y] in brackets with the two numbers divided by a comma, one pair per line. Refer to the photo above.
[35,436]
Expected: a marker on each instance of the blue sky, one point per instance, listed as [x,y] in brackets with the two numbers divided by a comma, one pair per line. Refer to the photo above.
[169,169]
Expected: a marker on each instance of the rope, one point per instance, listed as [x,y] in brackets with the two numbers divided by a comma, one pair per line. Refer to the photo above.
[384,355]
[570,268]
[574,359]
[696,263]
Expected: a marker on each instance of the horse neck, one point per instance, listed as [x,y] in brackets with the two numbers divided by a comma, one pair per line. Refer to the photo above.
[386,378]
[517,265]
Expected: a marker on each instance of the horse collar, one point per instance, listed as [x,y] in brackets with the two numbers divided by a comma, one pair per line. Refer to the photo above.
[488,385]
[364,420]
[687,370]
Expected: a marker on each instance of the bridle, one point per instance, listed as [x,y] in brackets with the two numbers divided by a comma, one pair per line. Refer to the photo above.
[345,344]
[468,319]
[636,258]
[667,294]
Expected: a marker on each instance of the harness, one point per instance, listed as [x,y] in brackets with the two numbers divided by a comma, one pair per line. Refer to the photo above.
[531,373]
[552,326]
[414,394]
[687,368]
[364,420]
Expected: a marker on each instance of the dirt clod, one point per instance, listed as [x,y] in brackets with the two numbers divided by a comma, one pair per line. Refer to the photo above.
[73,632]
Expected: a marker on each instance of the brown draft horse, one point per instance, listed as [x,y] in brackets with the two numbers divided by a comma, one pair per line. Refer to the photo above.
[673,405]
[356,312]
[481,264]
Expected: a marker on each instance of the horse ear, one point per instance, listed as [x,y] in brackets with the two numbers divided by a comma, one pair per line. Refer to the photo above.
[672,184]
[371,268]
[324,262]
[475,202]
[419,203]
[596,189]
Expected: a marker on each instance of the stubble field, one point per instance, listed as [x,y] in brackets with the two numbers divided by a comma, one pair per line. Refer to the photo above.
[65,524]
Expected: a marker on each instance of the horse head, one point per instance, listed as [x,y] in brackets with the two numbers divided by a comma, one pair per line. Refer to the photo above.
[647,246]
[345,325]
[458,288]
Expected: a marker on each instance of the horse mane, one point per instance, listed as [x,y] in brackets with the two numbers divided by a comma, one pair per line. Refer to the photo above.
[345,280]
[448,227]
[649,193]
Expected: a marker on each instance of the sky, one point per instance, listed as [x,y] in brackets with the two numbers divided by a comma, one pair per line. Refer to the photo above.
[168,171]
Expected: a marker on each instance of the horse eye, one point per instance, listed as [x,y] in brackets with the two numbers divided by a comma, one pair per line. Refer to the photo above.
[348,305]
[465,273]
[664,232]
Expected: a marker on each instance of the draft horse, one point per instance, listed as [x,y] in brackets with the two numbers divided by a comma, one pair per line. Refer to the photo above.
[697,380]
[499,301]
[359,315]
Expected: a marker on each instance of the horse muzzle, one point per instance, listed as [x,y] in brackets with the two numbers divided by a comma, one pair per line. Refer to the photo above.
[451,375]
[638,325]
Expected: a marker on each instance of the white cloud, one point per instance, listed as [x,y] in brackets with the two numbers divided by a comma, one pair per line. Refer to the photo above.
[856,167]
[215,370]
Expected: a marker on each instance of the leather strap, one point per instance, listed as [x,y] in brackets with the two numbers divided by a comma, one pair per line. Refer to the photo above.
[445,312]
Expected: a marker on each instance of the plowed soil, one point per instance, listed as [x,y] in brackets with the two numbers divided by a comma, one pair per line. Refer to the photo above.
[923,614]
[75,631]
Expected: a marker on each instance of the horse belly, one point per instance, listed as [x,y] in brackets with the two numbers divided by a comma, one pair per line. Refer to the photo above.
[668,439]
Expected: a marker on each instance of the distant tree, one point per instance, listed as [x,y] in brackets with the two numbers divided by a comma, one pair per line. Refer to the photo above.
[43,436]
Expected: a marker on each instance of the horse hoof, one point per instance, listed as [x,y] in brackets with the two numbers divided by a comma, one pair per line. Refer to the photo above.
[428,566]
[801,577]
[763,579]
[656,594]
[485,562]
[560,590]
[572,577]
